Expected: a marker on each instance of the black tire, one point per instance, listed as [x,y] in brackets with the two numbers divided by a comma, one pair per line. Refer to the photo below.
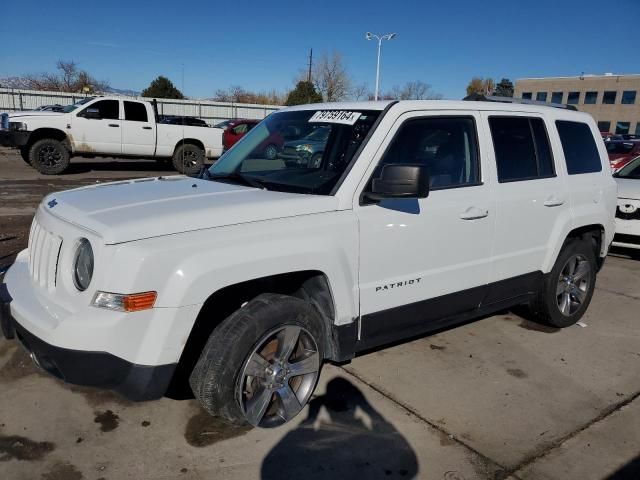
[217,380]
[188,159]
[270,152]
[315,161]
[49,156]
[559,285]
[24,153]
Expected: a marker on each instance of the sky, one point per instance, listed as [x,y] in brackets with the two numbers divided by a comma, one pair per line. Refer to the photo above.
[203,46]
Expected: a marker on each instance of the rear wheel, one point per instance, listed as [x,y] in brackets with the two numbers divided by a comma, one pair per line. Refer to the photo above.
[49,156]
[271,152]
[261,365]
[568,288]
[188,159]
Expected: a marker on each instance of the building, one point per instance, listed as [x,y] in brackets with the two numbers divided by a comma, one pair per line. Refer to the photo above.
[613,100]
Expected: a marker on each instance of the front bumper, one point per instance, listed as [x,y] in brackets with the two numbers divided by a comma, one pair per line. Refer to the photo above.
[95,369]
[14,138]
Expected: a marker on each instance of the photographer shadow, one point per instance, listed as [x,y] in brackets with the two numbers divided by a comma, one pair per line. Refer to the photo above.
[347,438]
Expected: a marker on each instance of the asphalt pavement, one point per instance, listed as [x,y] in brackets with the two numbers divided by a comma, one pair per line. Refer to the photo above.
[497,398]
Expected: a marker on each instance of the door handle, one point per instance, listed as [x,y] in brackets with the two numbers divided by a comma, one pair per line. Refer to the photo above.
[474,213]
[114,125]
[553,201]
[147,128]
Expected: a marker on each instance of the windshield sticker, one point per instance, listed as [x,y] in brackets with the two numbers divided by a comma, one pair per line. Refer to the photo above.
[335,116]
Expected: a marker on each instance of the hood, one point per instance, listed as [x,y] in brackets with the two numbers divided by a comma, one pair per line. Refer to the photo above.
[302,141]
[151,207]
[20,115]
[628,188]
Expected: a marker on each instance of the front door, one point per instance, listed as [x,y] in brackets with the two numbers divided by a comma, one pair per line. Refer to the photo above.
[423,261]
[98,135]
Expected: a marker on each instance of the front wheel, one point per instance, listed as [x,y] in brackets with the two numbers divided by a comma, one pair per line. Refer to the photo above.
[261,365]
[567,290]
[49,156]
[188,159]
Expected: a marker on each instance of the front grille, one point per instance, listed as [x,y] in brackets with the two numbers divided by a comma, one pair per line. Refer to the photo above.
[44,249]
[625,238]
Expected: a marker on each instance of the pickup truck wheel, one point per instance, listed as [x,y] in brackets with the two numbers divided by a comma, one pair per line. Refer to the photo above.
[49,156]
[568,288]
[270,152]
[261,364]
[188,159]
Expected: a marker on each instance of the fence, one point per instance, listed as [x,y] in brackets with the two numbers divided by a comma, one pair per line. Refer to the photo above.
[212,112]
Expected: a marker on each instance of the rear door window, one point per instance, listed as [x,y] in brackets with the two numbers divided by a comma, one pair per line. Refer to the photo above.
[135,112]
[521,148]
[580,150]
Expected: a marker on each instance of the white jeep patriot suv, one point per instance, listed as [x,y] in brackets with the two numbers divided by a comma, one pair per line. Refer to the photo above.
[238,285]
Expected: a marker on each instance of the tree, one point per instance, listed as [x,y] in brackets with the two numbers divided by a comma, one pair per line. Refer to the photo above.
[69,79]
[330,77]
[414,90]
[361,92]
[237,94]
[481,86]
[304,92]
[162,87]
[504,88]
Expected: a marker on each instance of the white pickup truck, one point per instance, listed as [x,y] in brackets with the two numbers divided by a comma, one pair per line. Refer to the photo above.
[106,126]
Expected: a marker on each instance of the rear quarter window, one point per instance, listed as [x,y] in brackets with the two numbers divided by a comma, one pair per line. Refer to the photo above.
[579,146]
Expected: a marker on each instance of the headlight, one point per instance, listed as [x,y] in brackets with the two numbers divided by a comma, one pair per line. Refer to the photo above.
[83,265]
[306,148]
[17,126]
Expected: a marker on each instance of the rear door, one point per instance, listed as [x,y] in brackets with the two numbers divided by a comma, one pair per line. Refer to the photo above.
[98,135]
[138,130]
[531,201]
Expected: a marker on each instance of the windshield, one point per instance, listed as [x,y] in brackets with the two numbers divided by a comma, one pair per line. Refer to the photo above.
[320,134]
[224,125]
[264,155]
[630,170]
[71,108]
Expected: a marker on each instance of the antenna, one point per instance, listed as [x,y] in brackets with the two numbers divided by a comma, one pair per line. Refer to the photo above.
[310,64]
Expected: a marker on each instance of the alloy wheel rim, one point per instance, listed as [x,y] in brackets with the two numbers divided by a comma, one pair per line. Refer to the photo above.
[49,156]
[189,159]
[278,376]
[573,285]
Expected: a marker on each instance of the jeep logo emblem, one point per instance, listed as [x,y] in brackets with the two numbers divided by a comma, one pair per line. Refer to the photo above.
[627,208]
[52,203]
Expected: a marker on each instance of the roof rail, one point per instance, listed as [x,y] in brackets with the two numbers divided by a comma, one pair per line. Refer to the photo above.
[478,97]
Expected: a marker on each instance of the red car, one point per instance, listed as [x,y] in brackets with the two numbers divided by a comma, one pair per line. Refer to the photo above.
[236,129]
[622,152]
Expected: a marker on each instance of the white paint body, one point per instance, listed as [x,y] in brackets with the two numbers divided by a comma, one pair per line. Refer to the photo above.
[628,201]
[128,138]
[187,242]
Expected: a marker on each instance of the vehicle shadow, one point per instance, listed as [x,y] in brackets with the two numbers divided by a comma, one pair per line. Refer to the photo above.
[343,436]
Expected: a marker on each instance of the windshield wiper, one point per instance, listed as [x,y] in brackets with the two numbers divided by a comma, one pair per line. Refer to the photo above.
[246,180]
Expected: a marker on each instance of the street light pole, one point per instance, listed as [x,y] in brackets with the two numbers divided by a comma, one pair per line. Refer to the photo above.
[371,36]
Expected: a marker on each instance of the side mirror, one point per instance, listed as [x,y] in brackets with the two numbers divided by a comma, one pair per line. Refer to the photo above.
[400,181]
[93,113]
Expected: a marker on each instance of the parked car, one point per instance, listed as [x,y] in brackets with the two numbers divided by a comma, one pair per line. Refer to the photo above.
[106,126]
[49,108]
[240,284]
[235,130]
[306,151]
[622,152]
[183,120]
[628,211]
